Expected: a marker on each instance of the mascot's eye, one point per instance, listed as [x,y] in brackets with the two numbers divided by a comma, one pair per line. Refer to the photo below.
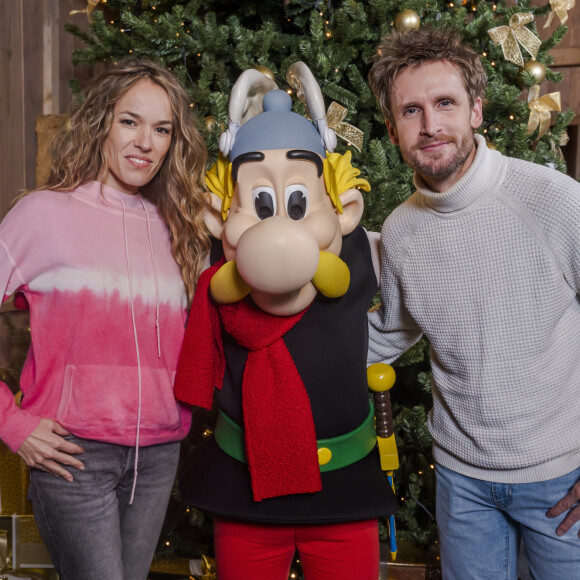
[296,201]
[264,202]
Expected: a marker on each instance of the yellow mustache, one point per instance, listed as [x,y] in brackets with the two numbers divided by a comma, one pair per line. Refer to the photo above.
[332,279]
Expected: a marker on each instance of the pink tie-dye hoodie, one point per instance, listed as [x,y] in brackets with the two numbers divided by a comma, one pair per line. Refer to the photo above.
[107,317]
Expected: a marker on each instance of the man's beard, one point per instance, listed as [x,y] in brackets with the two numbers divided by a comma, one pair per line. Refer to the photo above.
[444,167]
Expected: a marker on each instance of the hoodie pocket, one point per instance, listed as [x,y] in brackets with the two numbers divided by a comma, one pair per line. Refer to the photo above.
[106,399]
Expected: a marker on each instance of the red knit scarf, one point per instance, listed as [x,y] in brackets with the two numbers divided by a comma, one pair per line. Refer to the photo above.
[278,425]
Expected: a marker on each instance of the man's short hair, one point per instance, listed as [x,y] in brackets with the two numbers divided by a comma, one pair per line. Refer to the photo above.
[400,50]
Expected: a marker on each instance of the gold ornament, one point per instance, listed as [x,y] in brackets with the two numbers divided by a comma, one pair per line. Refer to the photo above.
[265,71]
[334,116]
[490,145]
[407,20]
[536,69]
[210,123]
[560,7]
[91,5]
[540,109]
[510,37]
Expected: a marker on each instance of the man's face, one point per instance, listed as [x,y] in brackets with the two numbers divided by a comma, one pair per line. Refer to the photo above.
[434,122]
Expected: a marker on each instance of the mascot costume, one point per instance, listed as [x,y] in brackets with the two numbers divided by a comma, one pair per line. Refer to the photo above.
[277,337]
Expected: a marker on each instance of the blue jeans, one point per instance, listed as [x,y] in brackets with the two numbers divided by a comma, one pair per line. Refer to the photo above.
[88,526]
[481,525]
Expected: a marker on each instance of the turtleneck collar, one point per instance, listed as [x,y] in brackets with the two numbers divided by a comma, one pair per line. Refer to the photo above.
[486,171]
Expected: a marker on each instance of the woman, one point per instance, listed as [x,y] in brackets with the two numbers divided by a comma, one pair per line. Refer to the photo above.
[106,256]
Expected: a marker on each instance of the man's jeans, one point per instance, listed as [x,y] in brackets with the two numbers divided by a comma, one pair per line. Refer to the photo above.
[88,526]
[482,523]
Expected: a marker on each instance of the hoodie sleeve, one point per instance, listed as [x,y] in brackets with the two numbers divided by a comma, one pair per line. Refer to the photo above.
[15,425]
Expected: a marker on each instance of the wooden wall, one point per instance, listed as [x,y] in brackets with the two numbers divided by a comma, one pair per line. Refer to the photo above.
[35,67]
[567,61]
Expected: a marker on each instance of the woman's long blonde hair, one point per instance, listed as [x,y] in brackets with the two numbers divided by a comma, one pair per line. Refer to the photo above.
[177,190]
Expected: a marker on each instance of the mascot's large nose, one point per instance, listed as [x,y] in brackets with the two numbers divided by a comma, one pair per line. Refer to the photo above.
[277,255]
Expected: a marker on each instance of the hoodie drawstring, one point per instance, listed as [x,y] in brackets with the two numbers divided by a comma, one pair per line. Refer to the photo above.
[156,279]
[136,350]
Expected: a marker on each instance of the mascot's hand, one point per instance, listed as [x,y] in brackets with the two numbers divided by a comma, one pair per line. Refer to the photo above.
[228,137]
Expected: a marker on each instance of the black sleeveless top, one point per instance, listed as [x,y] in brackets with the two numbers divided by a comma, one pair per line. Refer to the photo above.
[329,347]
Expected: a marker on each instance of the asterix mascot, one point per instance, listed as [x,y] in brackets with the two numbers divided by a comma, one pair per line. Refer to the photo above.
[277,335]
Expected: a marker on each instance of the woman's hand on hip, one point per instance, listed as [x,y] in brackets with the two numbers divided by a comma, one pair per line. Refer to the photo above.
[46,449]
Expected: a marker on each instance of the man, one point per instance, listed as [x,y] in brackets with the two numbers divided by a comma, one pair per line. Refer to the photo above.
[484,260]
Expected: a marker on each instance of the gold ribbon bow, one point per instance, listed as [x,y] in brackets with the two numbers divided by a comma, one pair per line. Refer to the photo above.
[557,149]
[510,37]
[540,109]
[560,7]
[334,116]
[91,5]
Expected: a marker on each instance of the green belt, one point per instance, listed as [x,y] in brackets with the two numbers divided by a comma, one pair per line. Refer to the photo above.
[333,453]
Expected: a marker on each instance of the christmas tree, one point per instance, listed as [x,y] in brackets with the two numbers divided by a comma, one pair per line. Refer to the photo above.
[209,43]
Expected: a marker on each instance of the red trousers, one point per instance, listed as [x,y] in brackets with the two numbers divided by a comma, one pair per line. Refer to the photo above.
[247,551]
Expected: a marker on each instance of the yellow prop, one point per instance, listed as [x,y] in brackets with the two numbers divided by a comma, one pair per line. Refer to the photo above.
[332,277]
[510,37]
[227,286]
[540,110]
[381,378]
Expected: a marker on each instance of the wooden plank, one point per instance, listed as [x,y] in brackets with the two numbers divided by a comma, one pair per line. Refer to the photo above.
[32,85]
[68,43]
[51,57]
[566,56]
[571,152]
[569,90]
[12,107]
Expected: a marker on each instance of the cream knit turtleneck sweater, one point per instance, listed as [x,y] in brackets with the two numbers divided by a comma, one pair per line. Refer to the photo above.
[489,271]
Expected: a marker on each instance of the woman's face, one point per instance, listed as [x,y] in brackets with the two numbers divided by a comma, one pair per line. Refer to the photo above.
[139,137]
